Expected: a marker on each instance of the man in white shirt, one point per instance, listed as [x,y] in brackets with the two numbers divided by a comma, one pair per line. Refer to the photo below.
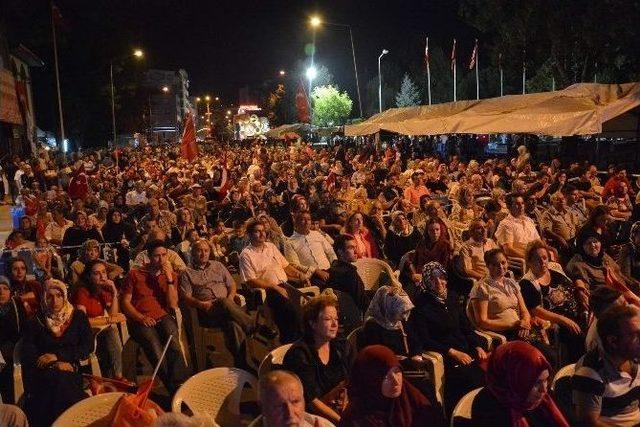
[263,266]
[311,249]
[516,231]
[54,232]
[137,196]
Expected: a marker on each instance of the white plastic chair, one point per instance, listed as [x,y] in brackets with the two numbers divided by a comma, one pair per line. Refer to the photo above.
[274,358]
[216,393]
[463,407]
[403,261]
[489,336]
[566,371]
[371,272]
[90,411]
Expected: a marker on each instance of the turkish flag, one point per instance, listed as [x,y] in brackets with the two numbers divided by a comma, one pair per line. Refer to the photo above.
[188,146]
[302,105]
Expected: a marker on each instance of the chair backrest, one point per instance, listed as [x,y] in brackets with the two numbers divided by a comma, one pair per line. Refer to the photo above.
[405,258]
[216,393]
[89,411]
[353,338]
[371,272]
[273,359]
[566,371]
[463,407]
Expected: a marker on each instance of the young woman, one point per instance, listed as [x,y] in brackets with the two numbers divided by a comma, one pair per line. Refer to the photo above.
[401,238]
[379,396]
[12,318]
[366,245]
[517,390]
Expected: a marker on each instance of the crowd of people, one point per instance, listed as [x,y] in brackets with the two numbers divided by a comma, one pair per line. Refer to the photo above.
[542,257]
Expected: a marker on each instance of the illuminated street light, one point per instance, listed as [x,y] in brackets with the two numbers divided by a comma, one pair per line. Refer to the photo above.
[228,111]
[207,98]
[217,98]
[312,73]
[282,72]
[384,52]
[315,21]
[198,99]
[165,89]
[138,53]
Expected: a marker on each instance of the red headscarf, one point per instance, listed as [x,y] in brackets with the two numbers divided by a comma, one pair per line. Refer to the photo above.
[513,370]
[369,407]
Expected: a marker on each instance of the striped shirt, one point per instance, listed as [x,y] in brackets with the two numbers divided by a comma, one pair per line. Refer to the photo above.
[598,386]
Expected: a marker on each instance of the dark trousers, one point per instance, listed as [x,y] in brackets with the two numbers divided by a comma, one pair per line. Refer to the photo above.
[173,370]
[459,380]
[225,313]
[286,314]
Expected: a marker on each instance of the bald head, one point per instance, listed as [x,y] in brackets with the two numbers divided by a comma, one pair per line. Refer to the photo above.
[281,398]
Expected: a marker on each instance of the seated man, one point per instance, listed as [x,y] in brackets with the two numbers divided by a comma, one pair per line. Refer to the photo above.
[311,250]
[148,295]
[263,266]
[208,286]
[174,259]
[606,380]
[517,230]
[472,251]
[343,275]
[559,223]
[281,398]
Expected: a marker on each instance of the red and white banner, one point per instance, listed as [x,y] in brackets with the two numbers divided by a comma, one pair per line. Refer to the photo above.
[474,56]
[189,146]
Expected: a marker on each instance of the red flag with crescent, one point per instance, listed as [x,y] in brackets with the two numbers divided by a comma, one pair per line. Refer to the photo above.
[302,105]
[188,146]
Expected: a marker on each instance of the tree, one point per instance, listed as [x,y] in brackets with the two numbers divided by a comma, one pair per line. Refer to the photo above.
[409,94]
[330,107]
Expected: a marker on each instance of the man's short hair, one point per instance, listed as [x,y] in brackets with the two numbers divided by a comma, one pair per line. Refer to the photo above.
[155,244]
[511,198]
[271,379]
[340,242]
[610,322]
[251,225]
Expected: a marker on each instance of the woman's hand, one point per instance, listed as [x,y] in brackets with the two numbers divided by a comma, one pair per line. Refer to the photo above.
[571,325]
[523,333]
[148,321]
[482,355]
[45,360]
[416,277]
[64,366]
[460,356]
[524,323]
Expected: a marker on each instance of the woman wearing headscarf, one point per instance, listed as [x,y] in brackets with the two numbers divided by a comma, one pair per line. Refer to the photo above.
[90,251]
[54,343]
[439,324]
[516,393]
[12,318]
[401,238]
[116,231]
[81,231]
[379,396]
[591,267]
[389,309]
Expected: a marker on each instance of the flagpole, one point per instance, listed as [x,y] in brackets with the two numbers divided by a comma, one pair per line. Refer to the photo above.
[553,84]
[55,59]
[453,58]
[428,73]
[524,73]
[501,76]
[477,78]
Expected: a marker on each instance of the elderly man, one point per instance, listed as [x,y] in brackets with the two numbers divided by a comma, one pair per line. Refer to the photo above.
[208,286]
[471,260]
[517,230]
[559,223]
[607,379]
[281,398]
[148,296]
[137,196]
[263,266]
[162,218]
[311,250]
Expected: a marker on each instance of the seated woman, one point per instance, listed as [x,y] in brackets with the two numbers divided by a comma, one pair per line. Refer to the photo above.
[54,343]
[432,247]
[517,390]
[496,304]
[320,360]
[599,222]
[27,291]
[466,209]
[401,238]
[90,251]
[97,297]
[591,267]
[12,317]
[439,324]
[120,233]
[389,308]
[365,240]
[380,396]
[550,295]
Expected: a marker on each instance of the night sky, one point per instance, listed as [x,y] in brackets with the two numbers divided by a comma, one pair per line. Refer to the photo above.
[225,45]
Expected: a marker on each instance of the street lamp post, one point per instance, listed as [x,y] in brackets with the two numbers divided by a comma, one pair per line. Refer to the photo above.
[316,22]
[384,52]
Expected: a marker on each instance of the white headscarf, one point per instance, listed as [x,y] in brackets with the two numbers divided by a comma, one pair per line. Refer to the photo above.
[55,321]
[388,303]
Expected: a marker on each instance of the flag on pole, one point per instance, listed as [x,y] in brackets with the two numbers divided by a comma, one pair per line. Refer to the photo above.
[302,105]
[474,56]
[188,146]
[426,58]
[524,71]
[453,55]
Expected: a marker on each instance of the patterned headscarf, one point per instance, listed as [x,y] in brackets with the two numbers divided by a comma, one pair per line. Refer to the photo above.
[56,322]
[635,229]
[389,306]
[429,273]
